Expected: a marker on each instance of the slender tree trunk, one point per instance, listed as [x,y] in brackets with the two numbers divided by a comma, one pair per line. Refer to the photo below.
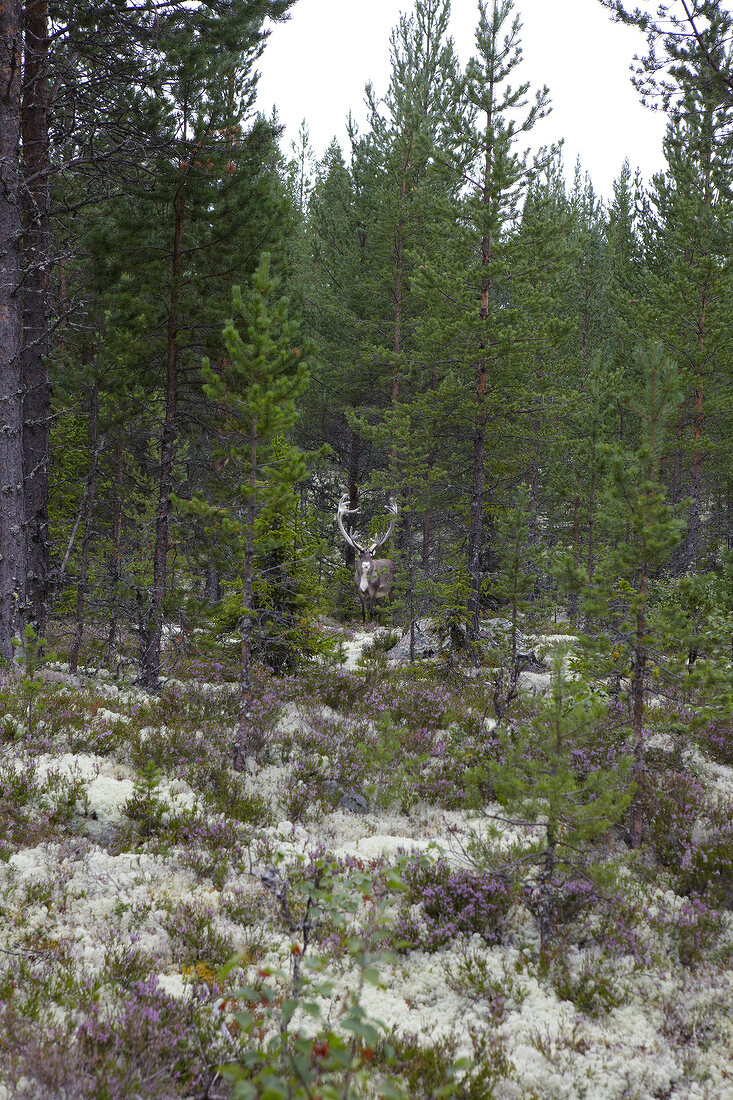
[637,697]
[575,597]
[211,583]
[354,452]
[36,387]
[534,472]
[590,562]
[12,509]
[693,536]
[91,497]
[475,522]
[426,535]
[248,742]
[150,671]
[398,289]
[476,512]
[427,523]
[115,560]
[675,490]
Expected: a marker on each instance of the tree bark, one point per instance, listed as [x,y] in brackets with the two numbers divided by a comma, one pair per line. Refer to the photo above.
[12,509]
[36,260]
[91,497]
[150,663]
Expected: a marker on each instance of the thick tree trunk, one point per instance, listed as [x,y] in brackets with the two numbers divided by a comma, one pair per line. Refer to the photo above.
[12,508]
[150,663]
[36,387]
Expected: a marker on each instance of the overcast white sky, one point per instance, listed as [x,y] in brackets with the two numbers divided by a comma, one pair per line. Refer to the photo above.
[316,65]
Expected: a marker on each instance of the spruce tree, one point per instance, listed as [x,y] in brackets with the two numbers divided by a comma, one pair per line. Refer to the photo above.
[255,393]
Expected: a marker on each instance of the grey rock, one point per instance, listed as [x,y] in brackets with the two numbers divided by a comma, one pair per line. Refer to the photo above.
[497,633]
[428,643]
[347,799]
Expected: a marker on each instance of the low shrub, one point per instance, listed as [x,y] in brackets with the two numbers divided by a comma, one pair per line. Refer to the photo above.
[453,902]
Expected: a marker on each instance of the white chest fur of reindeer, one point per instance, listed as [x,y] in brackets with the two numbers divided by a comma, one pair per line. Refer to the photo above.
[374,577]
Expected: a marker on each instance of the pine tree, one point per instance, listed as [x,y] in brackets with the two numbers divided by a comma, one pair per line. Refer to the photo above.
[542,781]
[644,531]
[690,278]
[476,317]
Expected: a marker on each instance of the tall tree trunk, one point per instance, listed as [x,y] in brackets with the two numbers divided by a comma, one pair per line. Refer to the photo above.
[693,537]
[91,497]
[150,670]
[476,512]
[36,387]
[12,509]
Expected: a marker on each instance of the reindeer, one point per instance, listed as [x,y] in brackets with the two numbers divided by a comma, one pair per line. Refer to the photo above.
[374,577]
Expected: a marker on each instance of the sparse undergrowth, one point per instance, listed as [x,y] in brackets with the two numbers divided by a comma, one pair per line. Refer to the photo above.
[377,910]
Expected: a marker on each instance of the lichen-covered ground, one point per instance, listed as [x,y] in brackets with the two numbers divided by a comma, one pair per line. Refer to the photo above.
[134,863]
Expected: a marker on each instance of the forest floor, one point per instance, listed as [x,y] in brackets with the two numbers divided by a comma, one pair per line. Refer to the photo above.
[134,863]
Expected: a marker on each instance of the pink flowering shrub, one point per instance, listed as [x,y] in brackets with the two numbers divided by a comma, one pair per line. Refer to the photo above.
[453,902]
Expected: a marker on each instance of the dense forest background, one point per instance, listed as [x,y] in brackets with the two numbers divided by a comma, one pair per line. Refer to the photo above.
[541,380]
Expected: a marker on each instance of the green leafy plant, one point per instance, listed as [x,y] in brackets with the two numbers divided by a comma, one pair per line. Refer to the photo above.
[290,1052]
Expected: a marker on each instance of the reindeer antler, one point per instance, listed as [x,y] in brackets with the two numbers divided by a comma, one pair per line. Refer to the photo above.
[343,510]
[379,540]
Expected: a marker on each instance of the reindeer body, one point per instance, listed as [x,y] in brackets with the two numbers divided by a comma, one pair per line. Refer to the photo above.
[374,577]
